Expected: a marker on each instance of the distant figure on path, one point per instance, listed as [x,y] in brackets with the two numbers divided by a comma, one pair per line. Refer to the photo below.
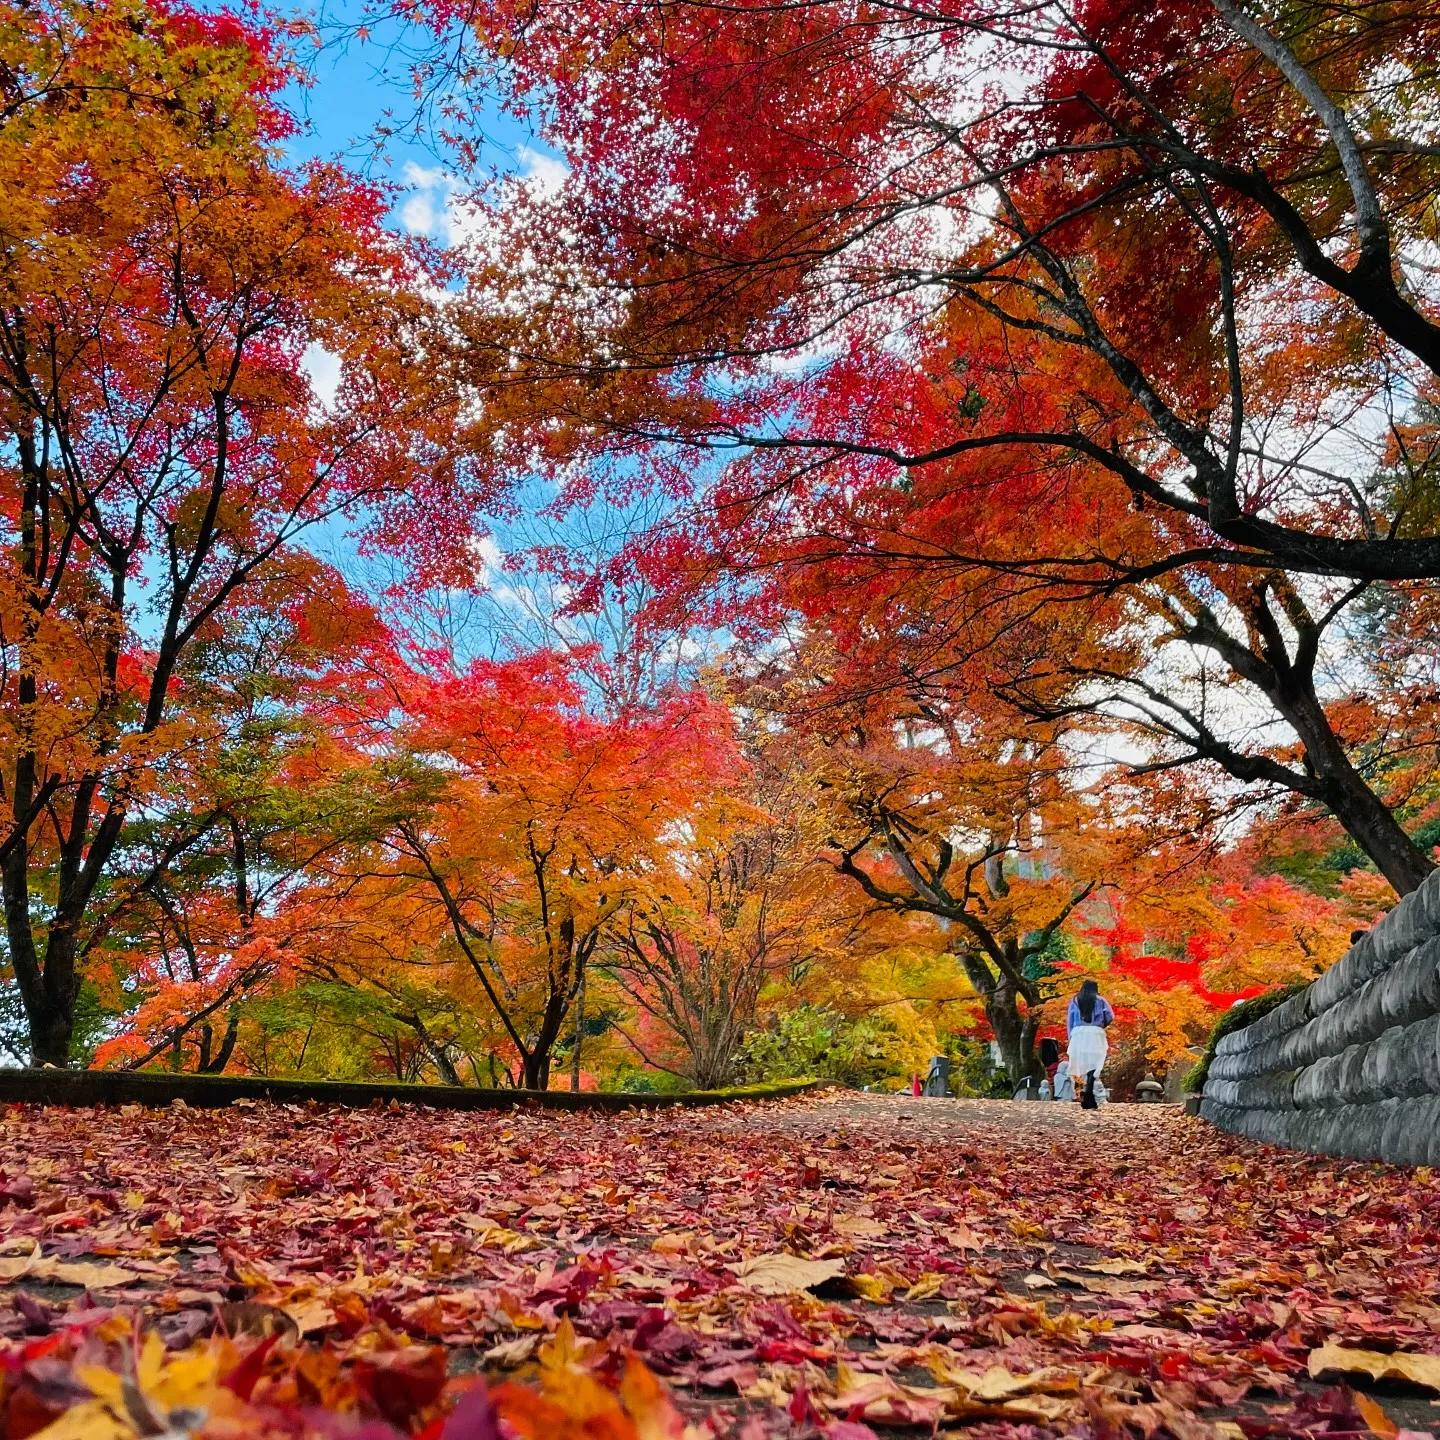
[1050,1062]
[1090,1015]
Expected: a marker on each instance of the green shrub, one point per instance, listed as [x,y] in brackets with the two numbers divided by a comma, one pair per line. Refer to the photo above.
[815,1041]
[1237,1018]
[636,1080]
[973,1073]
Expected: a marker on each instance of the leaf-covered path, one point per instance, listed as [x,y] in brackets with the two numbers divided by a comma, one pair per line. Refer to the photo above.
[785,1268]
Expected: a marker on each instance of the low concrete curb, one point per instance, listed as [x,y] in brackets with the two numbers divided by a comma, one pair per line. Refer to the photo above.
[125,1087]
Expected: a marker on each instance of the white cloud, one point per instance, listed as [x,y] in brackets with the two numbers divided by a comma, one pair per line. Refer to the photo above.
[427,209]
[322,369]
[542,173]
[436,208]
[489,557]
[422,177]
[418,216]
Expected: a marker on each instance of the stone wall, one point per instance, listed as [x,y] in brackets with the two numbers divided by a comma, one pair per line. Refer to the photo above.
[1351,1065]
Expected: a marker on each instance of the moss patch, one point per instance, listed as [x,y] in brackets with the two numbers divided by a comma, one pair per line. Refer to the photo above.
[1247,1012]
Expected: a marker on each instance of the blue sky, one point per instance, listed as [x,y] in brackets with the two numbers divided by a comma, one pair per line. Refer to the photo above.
[358,85]
[353,87]
[355,84]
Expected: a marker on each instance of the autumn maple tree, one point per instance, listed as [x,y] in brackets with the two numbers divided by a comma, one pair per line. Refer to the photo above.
[1141,251]
[943,805]
[742,903]
[162,274]
[923,842]
[204,899]
[1118,304]
[513,828]
[1238,676]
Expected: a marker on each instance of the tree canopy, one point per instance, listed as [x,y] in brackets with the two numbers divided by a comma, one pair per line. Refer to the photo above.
[968,478]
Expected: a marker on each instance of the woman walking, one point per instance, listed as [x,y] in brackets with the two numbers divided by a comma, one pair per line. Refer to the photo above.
[1090,1015]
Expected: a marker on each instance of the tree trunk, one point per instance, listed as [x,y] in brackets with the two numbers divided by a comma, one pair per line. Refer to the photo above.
[449,1075]
[46,992]
[537,1053]
[535,1060]
[1289,684]
[49,1005]
[537,1070]
[49,995]
[1372,826]
[712,1068]
[579,1034]
[52,1031]
[221,1059]
[712,1044]
[1366,818]
[1014,1033]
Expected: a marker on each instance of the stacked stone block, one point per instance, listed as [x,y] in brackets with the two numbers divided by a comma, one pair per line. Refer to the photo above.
[1351,1065]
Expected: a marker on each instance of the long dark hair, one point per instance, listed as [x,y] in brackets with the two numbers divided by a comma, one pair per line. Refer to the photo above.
[1089,994]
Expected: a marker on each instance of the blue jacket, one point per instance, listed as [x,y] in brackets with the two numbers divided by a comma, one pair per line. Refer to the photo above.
[1101,1015]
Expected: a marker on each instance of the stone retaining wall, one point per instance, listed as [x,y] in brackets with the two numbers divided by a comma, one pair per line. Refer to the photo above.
[1351,1065]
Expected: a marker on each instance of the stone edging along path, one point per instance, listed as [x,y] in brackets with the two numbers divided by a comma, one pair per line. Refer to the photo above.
[84,1088]
[1351,1065]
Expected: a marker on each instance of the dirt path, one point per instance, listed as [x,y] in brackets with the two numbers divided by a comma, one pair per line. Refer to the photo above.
[957,1119]
[1030,1268]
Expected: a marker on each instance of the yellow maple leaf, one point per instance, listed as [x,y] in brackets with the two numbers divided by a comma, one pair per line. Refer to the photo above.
[872,1287]
[90,1420]
[166,1383]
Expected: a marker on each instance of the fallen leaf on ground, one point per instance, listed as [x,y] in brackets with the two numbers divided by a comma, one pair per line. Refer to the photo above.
[962,1237]
[926,1286]
[1115,1267]
[860,1226]
[1421,1370]
[881,1400]
[308,1316]
[65,1272]
[995,1383]
[1376,1418]
[510,1353]
[786,1274]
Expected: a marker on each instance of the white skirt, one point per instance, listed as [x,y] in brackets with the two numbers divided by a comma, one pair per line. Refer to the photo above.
[1089,1049]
